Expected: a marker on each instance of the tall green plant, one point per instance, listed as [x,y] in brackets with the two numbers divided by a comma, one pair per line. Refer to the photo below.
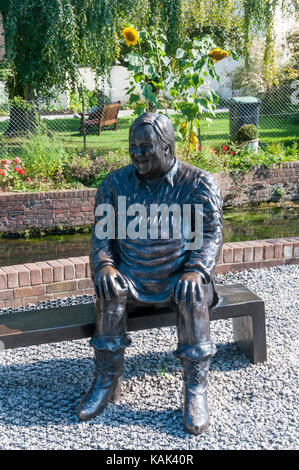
[192,96]
[44,156]
[149,68]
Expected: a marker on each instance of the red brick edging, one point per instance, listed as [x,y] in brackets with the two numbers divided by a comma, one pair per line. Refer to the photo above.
[28,283]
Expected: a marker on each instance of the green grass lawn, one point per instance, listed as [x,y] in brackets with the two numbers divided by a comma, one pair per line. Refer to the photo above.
[215,134]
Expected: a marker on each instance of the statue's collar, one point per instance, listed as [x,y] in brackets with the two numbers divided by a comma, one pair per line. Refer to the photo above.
[169,176]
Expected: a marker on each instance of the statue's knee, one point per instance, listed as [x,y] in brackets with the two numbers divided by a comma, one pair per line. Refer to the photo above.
[116,305]
[193,308]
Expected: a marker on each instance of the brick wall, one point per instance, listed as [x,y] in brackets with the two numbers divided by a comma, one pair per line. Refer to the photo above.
[21,211]
[260,184]
[69,208]
[28,283]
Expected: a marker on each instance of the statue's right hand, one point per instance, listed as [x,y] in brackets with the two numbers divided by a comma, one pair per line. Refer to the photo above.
[109,283]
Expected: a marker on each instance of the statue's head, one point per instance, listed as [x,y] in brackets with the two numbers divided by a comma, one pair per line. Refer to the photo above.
[151,144]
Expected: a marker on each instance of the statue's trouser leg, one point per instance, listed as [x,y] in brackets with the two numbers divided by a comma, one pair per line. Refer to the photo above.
[109,344]
[194,351]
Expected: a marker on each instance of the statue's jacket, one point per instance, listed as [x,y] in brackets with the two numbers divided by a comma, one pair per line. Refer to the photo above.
[152,267]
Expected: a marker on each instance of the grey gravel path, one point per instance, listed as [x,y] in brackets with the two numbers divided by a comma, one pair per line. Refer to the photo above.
[251,406]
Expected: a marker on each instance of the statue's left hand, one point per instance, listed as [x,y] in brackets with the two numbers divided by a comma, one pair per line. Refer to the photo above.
[189,288]
[109,283]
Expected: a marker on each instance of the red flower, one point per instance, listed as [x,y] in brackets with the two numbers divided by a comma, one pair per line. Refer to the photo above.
[21,171]
[232,152]
[3,161]
[225,148]
[17,160]
[199,147]
[17,168]
[2,173]
[213,151]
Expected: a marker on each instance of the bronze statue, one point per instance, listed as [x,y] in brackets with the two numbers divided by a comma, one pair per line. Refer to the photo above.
[133,271]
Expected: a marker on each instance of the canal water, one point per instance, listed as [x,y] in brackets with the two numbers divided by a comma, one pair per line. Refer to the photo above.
[240,224]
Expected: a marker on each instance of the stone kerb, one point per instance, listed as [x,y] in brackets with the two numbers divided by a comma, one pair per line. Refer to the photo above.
[29,283]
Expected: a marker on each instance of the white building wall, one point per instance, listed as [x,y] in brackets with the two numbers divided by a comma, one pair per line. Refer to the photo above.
[114,86]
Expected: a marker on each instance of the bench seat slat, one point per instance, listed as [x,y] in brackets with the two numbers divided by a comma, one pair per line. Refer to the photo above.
[77,321]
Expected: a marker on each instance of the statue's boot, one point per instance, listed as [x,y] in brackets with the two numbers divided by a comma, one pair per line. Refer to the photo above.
[109,343]
[107,379]
[194,351]
[195,410]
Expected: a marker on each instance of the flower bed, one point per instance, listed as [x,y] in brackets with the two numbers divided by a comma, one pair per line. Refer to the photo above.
[44,164]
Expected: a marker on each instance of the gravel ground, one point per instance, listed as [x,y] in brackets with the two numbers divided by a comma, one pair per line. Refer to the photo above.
[251,406]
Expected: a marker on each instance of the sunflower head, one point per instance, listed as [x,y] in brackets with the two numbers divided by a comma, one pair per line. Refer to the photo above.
[218,54]
[184,125]
[130,35]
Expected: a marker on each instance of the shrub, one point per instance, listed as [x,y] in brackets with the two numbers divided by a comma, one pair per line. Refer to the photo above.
[12,174]
[91,171]
[247,133]
[44,156]
[236,158]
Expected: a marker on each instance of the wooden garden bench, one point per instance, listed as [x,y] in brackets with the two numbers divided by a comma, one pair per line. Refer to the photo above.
[75,322]
[107,117]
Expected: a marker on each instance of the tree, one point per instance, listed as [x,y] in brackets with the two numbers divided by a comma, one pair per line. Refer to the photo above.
[46,42]
[237,23]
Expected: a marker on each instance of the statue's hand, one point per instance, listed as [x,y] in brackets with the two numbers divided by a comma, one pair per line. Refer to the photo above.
[189,288]
[109,283]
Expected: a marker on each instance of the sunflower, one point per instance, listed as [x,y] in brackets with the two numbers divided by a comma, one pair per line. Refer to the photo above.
[184,125]
[131,36]
[218,54]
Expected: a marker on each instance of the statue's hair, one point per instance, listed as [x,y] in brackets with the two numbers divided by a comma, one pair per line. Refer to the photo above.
[162,126]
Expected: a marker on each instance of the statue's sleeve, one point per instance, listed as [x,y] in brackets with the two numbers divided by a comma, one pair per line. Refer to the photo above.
[102,250]
[205,258]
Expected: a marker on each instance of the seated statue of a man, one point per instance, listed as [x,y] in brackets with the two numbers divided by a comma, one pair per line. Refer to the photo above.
[150,268]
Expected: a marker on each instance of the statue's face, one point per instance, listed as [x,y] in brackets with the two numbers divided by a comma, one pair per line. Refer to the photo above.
[150,158]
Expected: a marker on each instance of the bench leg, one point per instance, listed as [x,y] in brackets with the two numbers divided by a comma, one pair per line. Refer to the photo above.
[250,334]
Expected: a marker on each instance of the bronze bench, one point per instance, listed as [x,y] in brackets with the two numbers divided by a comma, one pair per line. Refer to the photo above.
[75,322]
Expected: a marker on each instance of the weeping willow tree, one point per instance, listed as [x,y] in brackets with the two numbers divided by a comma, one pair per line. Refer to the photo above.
[220,19]
[238,23]
[46,42]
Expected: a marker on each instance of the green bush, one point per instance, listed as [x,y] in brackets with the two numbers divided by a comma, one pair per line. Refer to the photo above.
[91,171]
[247,133]
[237,159]
[44,156]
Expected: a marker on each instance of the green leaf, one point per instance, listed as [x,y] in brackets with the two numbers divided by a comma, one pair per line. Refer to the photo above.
[150,71]
[134,98]
[214,96]
[148,94]
[165,60]
[135,59]
[138,77]
[173,92]
[180,53]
